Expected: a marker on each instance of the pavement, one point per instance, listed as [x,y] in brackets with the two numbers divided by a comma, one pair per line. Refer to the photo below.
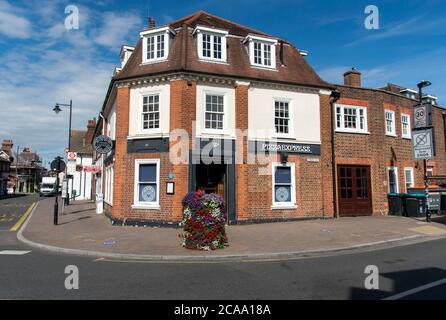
[83,232]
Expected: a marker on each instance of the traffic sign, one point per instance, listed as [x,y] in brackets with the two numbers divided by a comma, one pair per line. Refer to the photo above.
[66,150]
[72,155]
[58,165]
[423,144]
[422,115]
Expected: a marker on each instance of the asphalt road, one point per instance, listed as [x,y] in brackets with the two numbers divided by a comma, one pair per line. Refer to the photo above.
[40,275]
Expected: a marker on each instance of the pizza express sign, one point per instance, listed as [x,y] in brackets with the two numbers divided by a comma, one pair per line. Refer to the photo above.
[267,147]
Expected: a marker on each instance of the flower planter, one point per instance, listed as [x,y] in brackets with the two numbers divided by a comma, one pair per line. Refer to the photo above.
[204,218]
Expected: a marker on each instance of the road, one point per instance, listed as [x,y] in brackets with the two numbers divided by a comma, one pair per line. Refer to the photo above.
[404,272]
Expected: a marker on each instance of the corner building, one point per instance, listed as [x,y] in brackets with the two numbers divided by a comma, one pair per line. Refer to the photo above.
[250,109]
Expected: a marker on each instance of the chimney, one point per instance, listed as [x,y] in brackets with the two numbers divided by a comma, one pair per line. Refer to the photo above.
[352,78]
[151,23]
[7,146]
[90,131]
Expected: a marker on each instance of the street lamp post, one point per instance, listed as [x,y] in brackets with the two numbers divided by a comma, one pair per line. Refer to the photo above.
[421,85]
[57,109]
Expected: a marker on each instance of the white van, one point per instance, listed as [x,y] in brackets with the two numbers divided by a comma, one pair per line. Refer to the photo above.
[48,186]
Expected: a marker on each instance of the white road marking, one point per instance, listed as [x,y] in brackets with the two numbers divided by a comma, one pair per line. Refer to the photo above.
[14,252]
[416,290]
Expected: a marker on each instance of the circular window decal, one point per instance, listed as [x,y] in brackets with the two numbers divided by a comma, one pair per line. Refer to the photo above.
[282,194]
[148,193]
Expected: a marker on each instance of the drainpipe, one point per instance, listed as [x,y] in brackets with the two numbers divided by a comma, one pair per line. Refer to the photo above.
[335,95]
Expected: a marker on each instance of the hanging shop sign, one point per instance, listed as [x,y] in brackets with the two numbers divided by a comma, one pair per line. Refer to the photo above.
[93,169]
[423,144]
[102,144]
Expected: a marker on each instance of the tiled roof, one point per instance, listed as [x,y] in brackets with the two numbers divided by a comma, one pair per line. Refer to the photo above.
[78,142]
[183,56]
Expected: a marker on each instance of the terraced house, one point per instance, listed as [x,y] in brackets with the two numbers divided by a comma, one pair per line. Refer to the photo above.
[205,103]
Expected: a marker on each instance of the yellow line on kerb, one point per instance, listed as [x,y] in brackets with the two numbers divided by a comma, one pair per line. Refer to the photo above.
[23,218]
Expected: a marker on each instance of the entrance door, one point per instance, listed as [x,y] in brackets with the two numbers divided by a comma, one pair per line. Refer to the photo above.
[355,194]
[217,178]
[211,178]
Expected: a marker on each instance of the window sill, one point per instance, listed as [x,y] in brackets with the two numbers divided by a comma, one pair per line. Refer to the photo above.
[391,135]
[145,207]
[210,60]
[283,207]
[353,132]
[148,135]
[407,138]
[217,132]
[153,61]
[264,67]
[284,136]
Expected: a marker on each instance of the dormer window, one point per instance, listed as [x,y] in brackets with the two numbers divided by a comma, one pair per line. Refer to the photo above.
[126,52]
[155,44]
[262,51]
[211,44]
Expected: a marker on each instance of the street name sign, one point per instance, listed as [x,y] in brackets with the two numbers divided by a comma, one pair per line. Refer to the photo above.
[423,144]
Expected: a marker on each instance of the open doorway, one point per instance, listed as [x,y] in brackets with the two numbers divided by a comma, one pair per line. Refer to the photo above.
[211,178]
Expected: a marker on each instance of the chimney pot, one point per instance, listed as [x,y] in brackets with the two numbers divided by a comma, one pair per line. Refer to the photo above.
[352,78]
[151,23]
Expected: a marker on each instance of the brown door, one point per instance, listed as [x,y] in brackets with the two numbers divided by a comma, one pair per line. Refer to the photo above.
[355,194]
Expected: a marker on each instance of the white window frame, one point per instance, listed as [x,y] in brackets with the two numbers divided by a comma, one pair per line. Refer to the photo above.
[225,113]
[109,180]
[284,205]
[408,135]
[430,169]
[141,108]
[393,132]
[146,205]
[358,119]
[395,169]
[223,34]
[412,183]
[290,118]
[251,39]
[145,35]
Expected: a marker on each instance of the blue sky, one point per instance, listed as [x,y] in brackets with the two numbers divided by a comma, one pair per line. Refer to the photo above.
[42,62]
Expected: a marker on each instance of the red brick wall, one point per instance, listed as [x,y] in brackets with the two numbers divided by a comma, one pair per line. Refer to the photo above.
[379,150]
[241,170]
[182,113]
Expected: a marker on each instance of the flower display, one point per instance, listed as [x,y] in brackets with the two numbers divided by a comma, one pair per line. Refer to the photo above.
[204,218]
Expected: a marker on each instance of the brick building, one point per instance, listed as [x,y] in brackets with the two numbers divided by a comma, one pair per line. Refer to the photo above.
[5,166]
[80,186]
[204,103]
[373,145]
[231,97]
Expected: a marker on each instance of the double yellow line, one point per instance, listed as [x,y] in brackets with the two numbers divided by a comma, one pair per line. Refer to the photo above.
[23,218]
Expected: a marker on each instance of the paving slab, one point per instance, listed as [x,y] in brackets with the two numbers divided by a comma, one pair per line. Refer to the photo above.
[82,231]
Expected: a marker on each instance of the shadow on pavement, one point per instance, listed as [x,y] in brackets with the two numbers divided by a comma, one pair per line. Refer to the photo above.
[75,220]
[401,282]
[439,219]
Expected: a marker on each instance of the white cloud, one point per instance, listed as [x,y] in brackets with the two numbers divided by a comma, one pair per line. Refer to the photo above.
[12,24]
[57,66]
[115,29]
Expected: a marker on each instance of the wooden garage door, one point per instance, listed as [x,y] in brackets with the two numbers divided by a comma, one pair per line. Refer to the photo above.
[355,194]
